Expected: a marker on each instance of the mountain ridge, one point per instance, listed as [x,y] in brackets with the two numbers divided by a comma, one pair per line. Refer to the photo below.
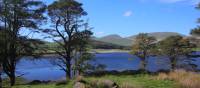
[128,41]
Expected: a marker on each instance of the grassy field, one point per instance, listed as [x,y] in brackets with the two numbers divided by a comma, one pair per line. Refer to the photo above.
[137,81]
[133,81]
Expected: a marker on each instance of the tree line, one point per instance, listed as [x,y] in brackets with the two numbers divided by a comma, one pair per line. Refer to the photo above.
[176,48]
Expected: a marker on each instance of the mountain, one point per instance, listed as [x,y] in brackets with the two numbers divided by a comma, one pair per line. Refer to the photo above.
[115,39]
[103,45]
[128,41]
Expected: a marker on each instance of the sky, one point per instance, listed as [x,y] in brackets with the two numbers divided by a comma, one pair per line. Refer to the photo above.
[130,17]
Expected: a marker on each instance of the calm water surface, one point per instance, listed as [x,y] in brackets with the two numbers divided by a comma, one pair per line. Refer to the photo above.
[42,69]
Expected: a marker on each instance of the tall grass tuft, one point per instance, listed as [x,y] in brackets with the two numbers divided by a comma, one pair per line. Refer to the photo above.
[128,85]
[183,78]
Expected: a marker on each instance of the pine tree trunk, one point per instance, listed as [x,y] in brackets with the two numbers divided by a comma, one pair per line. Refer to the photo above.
[68,73]
[143,64]
[0,76]
[12,79]
[173,63]
[1,81]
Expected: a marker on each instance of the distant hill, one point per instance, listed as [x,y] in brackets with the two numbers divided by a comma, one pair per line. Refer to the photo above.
[128,41]
[103,45]
[94,44]
[115,39]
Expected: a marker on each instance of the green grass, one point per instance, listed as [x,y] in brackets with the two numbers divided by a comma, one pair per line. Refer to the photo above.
[45,86]
[142,81]
[196,49]
[50,85]
[139,81]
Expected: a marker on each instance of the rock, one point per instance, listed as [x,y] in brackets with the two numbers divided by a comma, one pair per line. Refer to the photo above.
[107,84]
[79,85]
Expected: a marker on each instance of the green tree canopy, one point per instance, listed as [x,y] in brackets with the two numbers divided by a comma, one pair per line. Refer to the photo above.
[196,31]
[16,15]
[174,47]
[69,31]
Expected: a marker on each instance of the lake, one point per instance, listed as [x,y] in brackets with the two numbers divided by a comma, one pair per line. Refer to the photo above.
[43,69]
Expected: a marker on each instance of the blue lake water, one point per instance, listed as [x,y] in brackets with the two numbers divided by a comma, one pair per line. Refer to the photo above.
[43,69]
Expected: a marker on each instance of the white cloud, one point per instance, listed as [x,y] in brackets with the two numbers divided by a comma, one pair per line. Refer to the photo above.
[128,13]
[99,33]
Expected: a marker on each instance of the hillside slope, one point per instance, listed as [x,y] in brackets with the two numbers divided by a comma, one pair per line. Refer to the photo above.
[128,41]
[115,39]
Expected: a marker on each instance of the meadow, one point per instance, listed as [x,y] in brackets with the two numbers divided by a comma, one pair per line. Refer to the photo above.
[123,81]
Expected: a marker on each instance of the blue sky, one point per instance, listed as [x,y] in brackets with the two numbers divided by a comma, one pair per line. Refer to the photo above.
[130,17]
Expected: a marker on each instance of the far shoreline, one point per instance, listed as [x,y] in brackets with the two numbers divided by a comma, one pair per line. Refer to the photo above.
[94,51]
[109,51]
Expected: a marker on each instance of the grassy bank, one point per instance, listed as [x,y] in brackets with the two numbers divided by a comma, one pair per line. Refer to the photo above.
[124,81]
[136,81]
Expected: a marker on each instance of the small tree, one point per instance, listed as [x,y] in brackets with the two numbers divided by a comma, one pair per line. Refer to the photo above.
[174,47]
[83,57]
[142,47]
